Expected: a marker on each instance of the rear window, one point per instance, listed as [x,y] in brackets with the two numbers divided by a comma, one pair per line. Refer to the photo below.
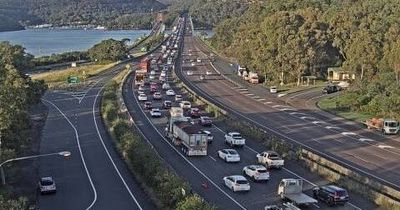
[46,182]
[236,136]
[341,193]
[273,157]
[232,152]
[241,182]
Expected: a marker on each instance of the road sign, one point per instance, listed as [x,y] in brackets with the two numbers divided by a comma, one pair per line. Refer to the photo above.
[73,79]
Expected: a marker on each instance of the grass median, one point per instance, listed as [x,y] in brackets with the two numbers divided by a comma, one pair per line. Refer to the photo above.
[159,181]
[59,78]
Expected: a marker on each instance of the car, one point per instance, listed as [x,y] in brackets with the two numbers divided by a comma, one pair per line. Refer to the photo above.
[170,92]
[152,72]
[210,137]
[152,77]
[273,89]
[140,92]
[166,86]
[47,185]
[229,155]
[198,60]
[208,72]
[256,172]
[167,104]
[142,97]
[157,96]
[185,105]
[162,79]
[190,120]
[189,73]
[237,183]
[141,88]
[148,105]
[178,98]
[155,112]
[193,64]
[194,112]
[205,121]
[163,74]
[202,77]
[330,89]
[331,194]
[234,139]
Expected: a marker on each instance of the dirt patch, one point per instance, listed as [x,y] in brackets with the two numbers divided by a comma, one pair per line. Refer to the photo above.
[22,176]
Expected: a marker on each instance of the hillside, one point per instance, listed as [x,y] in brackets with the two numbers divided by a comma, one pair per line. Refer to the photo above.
[66,12]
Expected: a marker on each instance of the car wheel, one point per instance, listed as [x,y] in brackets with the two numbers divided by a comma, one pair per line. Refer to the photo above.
[233,189]
[226,159]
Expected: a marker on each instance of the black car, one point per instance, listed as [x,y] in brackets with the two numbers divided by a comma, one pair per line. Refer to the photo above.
[331,194]
[167,104]
[331,89]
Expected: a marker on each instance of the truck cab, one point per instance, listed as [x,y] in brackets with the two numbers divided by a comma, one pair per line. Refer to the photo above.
[271,159]
[235,139]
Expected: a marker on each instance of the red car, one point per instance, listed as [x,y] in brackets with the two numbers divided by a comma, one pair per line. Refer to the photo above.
[194,113]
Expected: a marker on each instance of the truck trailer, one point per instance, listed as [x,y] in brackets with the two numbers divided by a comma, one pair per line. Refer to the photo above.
[292,190]
[190,137]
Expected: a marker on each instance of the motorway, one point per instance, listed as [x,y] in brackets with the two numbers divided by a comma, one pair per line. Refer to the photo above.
[94,177]
[210,170]
[366,152]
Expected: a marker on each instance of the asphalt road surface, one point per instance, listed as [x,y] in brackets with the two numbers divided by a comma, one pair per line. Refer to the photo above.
[210,170]
[94,176]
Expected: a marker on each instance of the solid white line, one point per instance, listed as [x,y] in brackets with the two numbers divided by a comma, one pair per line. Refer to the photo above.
[80,152]
[212,158]
[108,153]
[186,159]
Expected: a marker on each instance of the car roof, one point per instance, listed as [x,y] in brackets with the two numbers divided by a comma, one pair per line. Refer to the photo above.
[257,166]
[155,109]
[271,152]
[335,188]
[234,133]
[238,177]
[232,150]
[48,178]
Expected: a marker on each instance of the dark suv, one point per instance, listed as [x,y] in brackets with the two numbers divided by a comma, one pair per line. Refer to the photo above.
[331,89]
[331,194]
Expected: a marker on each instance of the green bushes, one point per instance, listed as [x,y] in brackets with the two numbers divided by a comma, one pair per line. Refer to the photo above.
[165,187]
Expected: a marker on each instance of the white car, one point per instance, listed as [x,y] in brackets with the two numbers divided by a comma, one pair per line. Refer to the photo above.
[210,137]
[157,96]
[235,139]
[163,74]
[208,72]
[185,105]
[47,185]
[152,77]
[178,98]
[189,73]
[165,86]
[273,89]
[193,64]
[198,60]
[155,112]
[152,72]
[229,155]
[256,172]
[170,92]
[141,88]
[237,183]
[142,97]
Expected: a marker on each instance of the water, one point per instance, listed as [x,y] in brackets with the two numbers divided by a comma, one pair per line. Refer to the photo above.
[40,42]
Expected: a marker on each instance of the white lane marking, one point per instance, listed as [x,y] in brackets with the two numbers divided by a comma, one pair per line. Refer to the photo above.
[316,205]
[250,94]
[276,106]
[288,109]
[256,97]
[348,133]
[261,99]
[298,113]
[298,142]
[243,89]
[332,127]
[187,160]
[80,153]
[212,158]
[108,153]
[268,102]
[365,139]
[382,146]
[318,122]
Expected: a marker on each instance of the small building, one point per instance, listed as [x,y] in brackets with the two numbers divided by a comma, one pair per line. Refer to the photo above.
[337,74]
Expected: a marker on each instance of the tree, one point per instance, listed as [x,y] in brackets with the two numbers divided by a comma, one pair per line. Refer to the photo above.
[108,50]
[394,60]
[193,202]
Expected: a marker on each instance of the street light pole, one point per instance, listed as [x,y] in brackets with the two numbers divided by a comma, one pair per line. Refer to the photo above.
[3,178]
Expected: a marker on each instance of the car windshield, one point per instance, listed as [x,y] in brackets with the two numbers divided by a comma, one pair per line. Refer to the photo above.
[392,124]
[232,152]
[236,136]
[341,193]
[262,171]
[273,157]
[241,182]
[46,182]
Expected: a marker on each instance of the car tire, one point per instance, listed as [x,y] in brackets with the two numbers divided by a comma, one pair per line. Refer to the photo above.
[233,189]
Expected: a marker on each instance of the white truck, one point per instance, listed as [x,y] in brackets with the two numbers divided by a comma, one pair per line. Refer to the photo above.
[387,126]
[270,159]
[253,78]
[191,138]
[292,190]
[234,139]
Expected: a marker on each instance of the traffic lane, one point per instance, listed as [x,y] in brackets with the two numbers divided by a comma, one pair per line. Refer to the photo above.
[68,173]
[111,173]
[264,194]
[307,134]
[183,167]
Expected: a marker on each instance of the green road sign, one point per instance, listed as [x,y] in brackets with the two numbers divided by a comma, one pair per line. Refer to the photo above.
[73,79]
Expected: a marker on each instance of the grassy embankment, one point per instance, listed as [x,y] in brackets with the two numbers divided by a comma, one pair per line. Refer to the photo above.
[158,180]
[58,79]
[329,104]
